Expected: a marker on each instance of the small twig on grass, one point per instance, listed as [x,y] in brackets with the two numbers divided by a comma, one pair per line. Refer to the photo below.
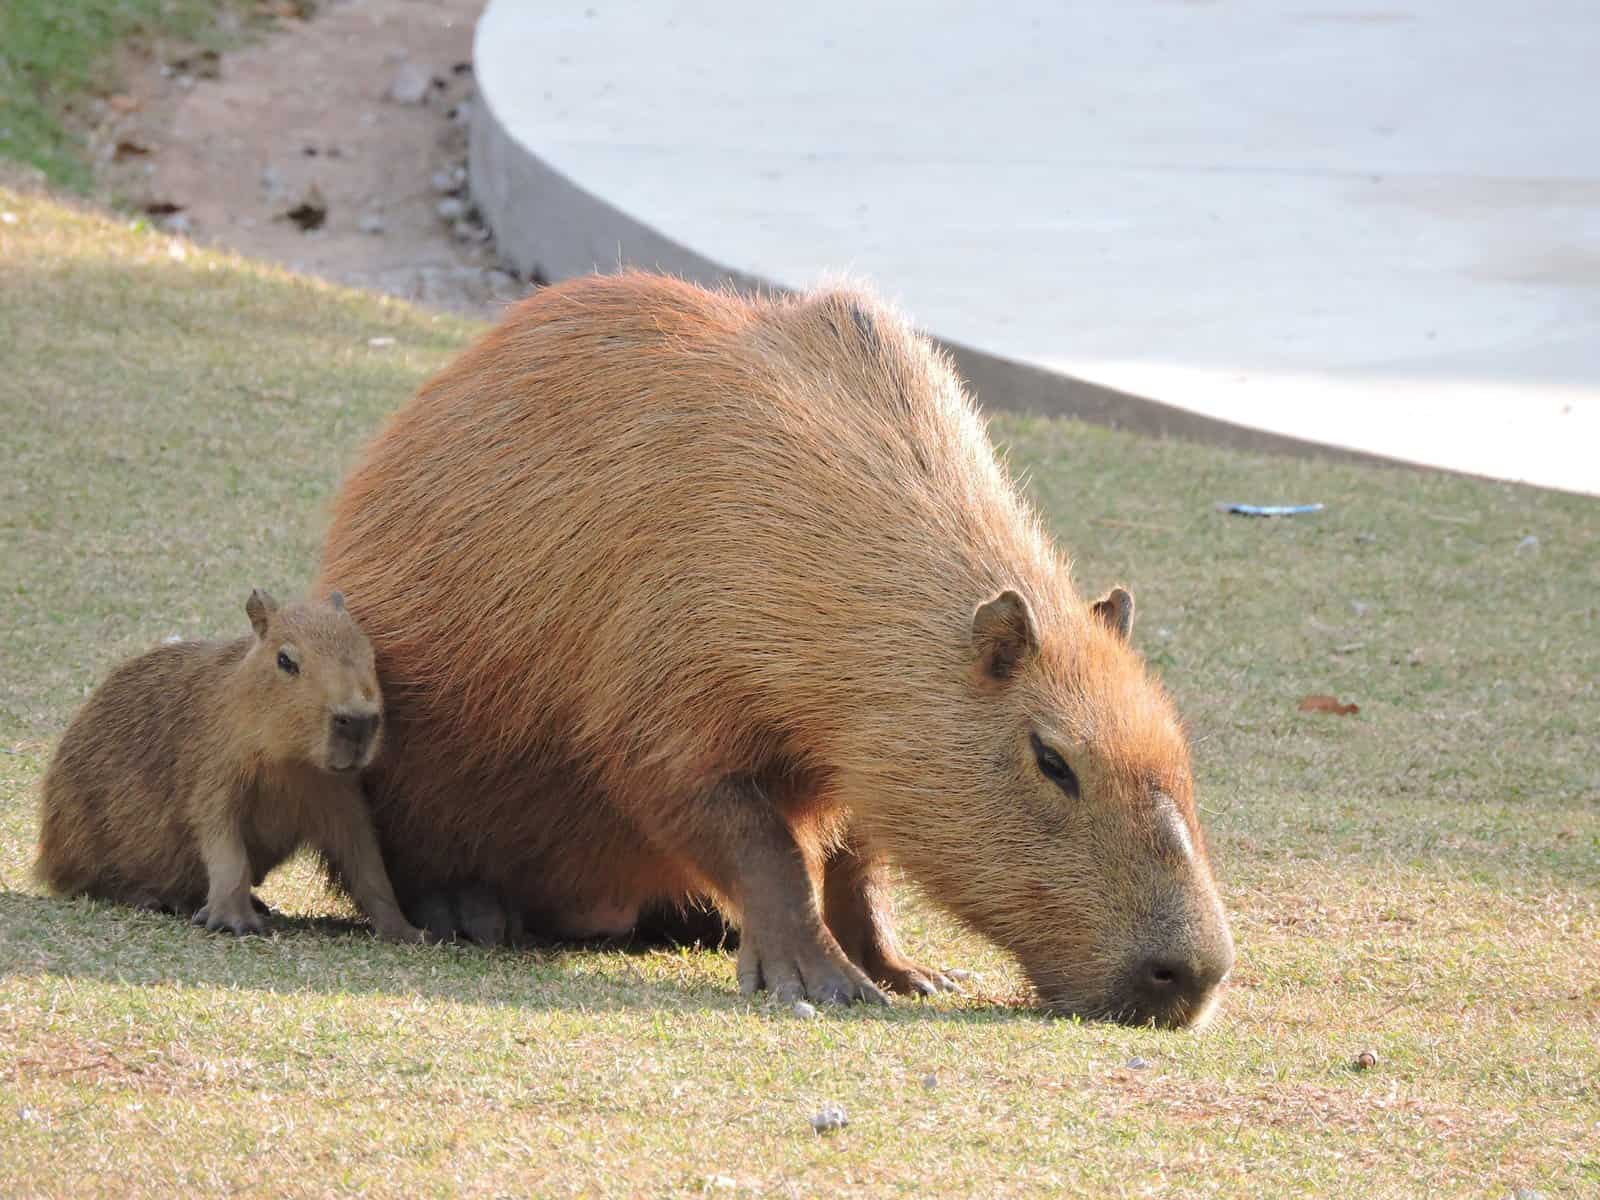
[1472,520]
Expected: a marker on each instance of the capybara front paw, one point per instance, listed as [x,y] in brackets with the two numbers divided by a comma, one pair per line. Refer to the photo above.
[811,975]
[907,978]
[238,919]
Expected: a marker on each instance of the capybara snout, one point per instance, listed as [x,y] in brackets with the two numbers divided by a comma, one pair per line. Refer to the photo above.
[352,738]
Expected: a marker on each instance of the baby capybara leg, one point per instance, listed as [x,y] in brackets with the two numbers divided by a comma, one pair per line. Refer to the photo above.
[350,847]
[860,914]
[229,903]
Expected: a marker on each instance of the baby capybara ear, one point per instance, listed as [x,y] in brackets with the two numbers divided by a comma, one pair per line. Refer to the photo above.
[1115,611]
[1003,635]
[336,601]
[259,608]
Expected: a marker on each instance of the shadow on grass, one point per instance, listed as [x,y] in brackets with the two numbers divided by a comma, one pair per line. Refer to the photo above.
[88,940]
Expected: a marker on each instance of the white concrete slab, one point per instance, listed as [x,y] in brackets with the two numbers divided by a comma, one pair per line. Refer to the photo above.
[1374,225]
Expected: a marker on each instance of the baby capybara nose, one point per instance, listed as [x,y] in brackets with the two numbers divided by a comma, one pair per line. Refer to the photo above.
[1171,991]
[354,729]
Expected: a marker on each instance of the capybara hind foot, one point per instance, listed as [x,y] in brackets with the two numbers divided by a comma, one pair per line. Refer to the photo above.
[239,918]
[481,916]
[474,913]
[434,914]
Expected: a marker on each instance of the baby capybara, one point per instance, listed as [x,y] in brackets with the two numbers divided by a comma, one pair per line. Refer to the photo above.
[676,593]
[198,767]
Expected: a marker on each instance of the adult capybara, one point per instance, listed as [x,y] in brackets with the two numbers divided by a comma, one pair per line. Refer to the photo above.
[198,767]
[675,593]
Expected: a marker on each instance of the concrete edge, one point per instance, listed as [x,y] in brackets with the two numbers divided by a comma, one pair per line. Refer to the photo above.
[551,229]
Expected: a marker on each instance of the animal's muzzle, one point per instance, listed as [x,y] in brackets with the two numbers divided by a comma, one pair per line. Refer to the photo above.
[1173,990]
[352,738]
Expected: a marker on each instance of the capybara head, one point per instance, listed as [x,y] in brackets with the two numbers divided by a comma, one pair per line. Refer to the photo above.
[1078,765]
[314,683]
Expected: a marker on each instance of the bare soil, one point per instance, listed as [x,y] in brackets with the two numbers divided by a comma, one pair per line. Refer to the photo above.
[360,111]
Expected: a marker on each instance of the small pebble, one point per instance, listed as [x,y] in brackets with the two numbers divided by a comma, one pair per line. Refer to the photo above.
[1414,659]
[370,223]
[1365,1061]
[930,1080]
[723,1183]
[444,182]
[178,223]
[451,208]
[1137,1064]
[831,1117]
[410,84]
[270,179]
[378,343]
[1359,608]
[804,1010]
[1530,542]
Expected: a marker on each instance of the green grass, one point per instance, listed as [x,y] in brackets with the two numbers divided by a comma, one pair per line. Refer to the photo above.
[54,54]
[1420,880]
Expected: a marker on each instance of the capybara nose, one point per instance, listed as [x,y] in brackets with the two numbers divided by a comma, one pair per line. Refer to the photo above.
[1171,991]
[355,730]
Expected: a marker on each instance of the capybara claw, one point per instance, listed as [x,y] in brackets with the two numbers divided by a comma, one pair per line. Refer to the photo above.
[240,924]
[909,979]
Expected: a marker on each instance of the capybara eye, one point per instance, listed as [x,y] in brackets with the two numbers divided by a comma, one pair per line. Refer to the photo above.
[1053,767]
[286,664]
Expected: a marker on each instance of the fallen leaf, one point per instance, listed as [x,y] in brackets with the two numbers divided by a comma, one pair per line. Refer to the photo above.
[162,208]
[1320,703]
[127,149]
[204,64]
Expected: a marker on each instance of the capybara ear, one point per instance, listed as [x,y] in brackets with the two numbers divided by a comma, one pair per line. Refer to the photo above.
[1003,635]
[336,601]
[1115,610]
[258,608]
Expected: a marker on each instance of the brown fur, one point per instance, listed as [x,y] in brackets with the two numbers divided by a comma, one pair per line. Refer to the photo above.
[198,767]
[680,593]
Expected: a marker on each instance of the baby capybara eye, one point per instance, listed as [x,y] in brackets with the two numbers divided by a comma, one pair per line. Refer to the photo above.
[286,664]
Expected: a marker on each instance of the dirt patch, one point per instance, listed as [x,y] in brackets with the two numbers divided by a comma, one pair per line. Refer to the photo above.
[335,146]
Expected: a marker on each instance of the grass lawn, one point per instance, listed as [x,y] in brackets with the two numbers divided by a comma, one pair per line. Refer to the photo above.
[1419,880]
